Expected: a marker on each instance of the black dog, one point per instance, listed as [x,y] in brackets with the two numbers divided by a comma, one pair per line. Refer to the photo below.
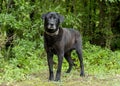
[60,41]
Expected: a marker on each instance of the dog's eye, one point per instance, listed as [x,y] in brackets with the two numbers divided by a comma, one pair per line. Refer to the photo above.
[54,17]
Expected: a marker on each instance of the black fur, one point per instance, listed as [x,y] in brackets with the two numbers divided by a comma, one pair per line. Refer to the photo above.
[60,41]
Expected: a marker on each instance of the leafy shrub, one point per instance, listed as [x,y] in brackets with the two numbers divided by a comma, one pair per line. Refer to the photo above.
[102,60]
[27,59]
[98,60]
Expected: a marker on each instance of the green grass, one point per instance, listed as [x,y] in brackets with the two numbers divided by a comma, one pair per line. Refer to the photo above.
[72,79]
[29,67]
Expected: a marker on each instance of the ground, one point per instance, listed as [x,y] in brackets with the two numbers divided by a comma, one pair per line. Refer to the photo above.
[72,79]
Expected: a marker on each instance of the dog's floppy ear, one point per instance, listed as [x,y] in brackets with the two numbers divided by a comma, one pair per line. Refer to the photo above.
[44,15]
[61,18]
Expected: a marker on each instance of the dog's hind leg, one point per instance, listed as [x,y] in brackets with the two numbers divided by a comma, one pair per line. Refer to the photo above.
[69,60]
[79,53]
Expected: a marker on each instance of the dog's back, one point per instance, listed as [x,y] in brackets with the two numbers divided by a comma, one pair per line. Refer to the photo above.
[70,38]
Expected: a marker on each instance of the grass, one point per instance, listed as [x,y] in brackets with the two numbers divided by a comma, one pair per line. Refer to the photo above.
[72,79]
[26,69]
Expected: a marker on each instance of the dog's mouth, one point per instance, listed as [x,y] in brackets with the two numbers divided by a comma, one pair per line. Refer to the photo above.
[51,26]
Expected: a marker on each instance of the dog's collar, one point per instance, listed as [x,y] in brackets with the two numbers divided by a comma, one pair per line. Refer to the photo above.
[52,34]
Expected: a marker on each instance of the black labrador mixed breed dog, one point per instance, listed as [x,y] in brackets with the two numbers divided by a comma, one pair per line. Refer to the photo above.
[60,41]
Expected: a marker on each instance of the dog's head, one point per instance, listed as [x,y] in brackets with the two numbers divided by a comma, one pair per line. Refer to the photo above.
[52,21]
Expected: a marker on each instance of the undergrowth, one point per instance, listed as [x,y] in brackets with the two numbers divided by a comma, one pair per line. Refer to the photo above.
[28,59]
[98,60]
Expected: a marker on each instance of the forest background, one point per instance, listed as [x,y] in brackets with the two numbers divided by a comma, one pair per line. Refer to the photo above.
[21,35]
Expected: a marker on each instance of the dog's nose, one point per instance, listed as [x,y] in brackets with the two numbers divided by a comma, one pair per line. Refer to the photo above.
[51,24]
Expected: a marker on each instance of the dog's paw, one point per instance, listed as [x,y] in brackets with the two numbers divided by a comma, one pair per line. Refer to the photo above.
[82,74]
[51,78]
[57,79]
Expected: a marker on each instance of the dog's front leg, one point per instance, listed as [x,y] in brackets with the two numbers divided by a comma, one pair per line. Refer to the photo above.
[50,64]
[60,60]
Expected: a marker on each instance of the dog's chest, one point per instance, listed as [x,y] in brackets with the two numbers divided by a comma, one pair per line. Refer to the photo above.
[51,40]
[51,43]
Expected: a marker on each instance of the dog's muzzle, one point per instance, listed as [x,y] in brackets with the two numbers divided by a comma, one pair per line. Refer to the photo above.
[51,26]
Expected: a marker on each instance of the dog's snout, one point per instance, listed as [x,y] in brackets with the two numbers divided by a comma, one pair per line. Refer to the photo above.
[51,24]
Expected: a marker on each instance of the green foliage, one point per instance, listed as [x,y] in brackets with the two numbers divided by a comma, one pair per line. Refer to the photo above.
[26,60]
[103,60]
[29,60]
[24,17]
[99,61]
[116,43]
[92,18]
[112,1]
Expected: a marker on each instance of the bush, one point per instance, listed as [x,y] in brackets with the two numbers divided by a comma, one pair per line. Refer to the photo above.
[27,59]
[101,60]
[98,60]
